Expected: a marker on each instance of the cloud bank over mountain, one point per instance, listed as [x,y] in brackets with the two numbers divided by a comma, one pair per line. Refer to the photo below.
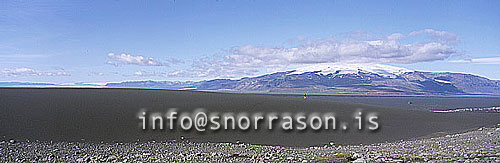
[419,46]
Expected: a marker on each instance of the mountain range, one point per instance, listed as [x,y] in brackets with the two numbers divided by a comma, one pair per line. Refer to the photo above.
[376,79]
[327,78]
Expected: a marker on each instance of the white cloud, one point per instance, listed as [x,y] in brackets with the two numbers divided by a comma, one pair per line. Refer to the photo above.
[489,60]
[136,60]
[178,73]
[249,60]
[175,61]
[144,74]
[96,74]
[112,63]
[395,36]
[30,72]
[443,36]
[139,73]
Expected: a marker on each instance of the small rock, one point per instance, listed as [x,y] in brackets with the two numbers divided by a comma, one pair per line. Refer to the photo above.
[359,160]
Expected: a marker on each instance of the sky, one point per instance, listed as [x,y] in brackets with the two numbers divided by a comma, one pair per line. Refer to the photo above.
[112,41]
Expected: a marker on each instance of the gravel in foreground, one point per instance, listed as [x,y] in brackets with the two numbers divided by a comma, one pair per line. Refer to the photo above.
[481,145]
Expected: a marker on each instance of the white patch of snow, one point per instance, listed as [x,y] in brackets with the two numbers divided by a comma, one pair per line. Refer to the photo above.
[442,81]
[351,68]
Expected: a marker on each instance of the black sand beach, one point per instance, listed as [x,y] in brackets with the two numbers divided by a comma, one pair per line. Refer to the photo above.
[110,115]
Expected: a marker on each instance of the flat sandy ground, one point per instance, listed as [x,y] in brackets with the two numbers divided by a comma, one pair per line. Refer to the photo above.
[110,115]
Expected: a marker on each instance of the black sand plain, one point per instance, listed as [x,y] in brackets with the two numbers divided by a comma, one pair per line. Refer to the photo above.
[110,115]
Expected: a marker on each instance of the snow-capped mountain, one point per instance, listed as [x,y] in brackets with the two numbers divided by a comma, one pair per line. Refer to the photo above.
[349,68]
[342,79]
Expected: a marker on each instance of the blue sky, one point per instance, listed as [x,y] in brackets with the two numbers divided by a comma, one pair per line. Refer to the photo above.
[97,41]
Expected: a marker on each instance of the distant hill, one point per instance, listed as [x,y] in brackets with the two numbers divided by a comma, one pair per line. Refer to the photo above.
[21,84]
[342,79]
